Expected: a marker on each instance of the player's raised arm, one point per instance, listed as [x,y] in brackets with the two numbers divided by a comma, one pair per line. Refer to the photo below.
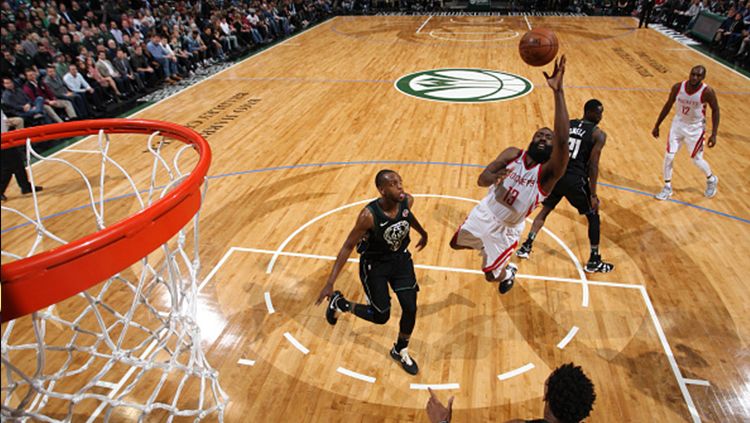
[665,110]
[365,222]
[558,162]
[496,170]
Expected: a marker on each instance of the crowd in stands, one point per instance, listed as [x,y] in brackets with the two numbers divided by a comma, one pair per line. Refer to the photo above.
[66,59]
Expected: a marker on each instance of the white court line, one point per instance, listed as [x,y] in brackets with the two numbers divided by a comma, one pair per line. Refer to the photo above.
[296,343]
[568,337]
[193,86]
[441,268]
[269,269]
[246,362]
[579,268]
[423,24]
[356,375]
[478,23]
[523,369]
[700,382]
[436,35]
[526,18]
[583,281]
[670,357]
[471,32]
[216,269]
[434,387]
[269,304]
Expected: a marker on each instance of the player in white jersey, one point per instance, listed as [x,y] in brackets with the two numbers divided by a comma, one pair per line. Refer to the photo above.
[518,181]
[689,127]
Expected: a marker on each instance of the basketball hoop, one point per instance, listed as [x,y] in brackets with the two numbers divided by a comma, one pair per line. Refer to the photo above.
[117,303]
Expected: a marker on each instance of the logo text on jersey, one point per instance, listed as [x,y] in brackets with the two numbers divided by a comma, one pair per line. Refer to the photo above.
[464,85]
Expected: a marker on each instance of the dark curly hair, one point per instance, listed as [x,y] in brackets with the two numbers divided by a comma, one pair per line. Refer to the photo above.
[570,394]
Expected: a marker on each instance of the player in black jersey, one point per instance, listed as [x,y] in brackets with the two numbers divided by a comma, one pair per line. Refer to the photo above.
[381,236]
[578,185]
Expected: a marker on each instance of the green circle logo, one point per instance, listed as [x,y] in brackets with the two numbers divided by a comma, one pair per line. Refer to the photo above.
[462,85]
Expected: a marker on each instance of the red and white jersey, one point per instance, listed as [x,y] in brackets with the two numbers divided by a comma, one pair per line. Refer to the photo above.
[690,109]
[518,194]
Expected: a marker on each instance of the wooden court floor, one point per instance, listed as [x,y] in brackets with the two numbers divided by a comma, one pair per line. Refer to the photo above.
[298,133]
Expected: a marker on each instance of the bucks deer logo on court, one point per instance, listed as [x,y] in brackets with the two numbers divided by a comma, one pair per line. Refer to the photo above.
[395,234]
[464,85]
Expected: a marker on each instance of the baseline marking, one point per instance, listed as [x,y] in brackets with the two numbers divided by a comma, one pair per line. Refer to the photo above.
[568,337]
[355,375]
[523,369]
[434,387]
[296,343]
[526,18]
[246,362]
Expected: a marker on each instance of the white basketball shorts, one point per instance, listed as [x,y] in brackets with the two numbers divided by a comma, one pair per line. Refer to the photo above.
[497,241]
[690,135]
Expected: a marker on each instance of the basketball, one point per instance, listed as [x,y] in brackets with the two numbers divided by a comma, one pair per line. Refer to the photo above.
[538,46]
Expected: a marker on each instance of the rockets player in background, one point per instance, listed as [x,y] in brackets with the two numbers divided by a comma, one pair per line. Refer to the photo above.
[689,127]
[518,181]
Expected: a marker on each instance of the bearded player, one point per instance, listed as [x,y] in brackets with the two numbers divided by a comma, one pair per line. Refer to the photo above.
[518,181]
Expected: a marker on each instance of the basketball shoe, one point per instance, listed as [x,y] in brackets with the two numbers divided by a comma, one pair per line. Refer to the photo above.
[596,265]
[407,363]
[665,193]
[525,251]
[333,309]
[711,186]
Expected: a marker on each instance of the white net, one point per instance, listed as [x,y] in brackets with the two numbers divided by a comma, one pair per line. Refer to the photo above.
[130,347]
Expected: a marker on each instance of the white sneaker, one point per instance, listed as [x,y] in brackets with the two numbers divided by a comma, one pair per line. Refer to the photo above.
[665,193]
[711,186]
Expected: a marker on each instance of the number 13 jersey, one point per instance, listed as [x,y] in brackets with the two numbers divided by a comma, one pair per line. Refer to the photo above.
[517,195]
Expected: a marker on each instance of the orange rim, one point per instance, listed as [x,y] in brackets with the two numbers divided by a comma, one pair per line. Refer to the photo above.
[47,278]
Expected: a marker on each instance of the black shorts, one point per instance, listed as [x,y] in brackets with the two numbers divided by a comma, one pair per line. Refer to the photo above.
[576,189]
[398,270]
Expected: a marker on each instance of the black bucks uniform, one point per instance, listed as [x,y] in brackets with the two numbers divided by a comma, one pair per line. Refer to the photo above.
[384,256]
[574,185]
